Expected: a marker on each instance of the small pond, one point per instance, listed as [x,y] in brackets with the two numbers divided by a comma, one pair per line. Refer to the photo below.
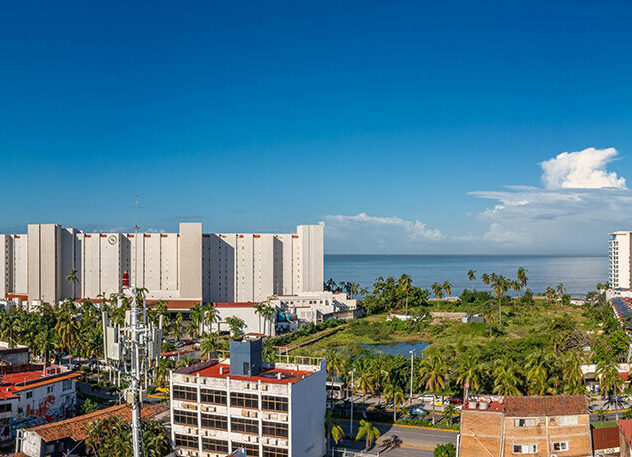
[398,348]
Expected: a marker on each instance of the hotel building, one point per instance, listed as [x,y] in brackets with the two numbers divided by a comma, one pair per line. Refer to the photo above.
[268,409]
[189,266]
[619,260]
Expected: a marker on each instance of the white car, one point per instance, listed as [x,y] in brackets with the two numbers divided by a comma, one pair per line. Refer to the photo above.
[428,398]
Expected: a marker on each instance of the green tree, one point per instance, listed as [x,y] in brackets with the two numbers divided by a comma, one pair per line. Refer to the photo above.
[73,279]
[445,450]
[471,275]
[522,276]
[236,326]
[260,310]
[68,329]
[433,373]
[405,281]
[209,345]
[332,429]
[112,437]
[610,382]
[437,290]
[447,288]
[89,406]
[394,393]
[506,378]
[369,432]
[470,371]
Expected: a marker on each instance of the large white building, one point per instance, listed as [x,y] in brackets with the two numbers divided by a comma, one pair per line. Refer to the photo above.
[187,266]
[619,260]
[268,409]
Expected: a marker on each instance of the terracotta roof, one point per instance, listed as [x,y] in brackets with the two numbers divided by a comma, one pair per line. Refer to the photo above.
[246,304]
[75,428]
[626,428]
[605,438]
[19,454]
[268,376]
[561,405]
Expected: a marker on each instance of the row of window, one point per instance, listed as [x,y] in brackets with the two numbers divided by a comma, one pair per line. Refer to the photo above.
[238,424]
[533,449]
[238,399]
[532,422]
[221,447]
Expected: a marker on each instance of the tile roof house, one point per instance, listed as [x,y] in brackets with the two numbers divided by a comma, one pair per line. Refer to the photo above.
[534,425]
[58,437]
[605,441]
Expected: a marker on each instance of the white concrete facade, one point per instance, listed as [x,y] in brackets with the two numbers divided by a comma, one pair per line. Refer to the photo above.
[313,306]
[189,265]
[619,260]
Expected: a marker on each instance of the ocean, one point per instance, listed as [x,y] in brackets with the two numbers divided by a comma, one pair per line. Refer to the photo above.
[579,274]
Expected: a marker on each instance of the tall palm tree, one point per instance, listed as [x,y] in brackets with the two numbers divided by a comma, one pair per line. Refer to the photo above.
[369,432]
[364,375]
[572,374]
[538,373]
[332,429]
[499,285]
[522,276]
[561,290]
[209,345]
[610,381]
[176,325]
[269,314]
[260,310]
[394,393]
[73,279]
[433,376]
[404,283]
[506,378]
[486,279]
[471,275]
[45,342]
[437,290]
[447,288]
[469,372]
[68,329]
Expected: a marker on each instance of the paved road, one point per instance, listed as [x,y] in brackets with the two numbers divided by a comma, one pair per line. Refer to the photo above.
[406,440]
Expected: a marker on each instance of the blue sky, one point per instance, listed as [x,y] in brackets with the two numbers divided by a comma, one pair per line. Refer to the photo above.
[398,125]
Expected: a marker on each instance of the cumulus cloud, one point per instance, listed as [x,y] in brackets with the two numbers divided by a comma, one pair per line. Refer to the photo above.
[581,170]
[581,202]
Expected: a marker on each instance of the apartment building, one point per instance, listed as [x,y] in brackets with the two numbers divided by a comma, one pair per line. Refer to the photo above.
[545,426]
[619,260]
[188,266]
[267,409]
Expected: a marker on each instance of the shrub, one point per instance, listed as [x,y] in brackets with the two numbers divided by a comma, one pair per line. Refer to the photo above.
[445,450]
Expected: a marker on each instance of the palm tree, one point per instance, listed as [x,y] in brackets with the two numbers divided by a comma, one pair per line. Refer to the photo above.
[162,371]
[499,285]
[572,374]
[209,345]
[269,314]
[506,378]
[449,412]
[486,279]
[437,290]
[610,381]
[73,279]
[211,315]
[45,343]
[561,290]
[176,326]
[471,275]
[538,373]
[369,432]
[68,329]
[447,288]
[260,310]
[405,282]
[332,429]
[469,372]
[394,393]
[433,375]
[197,318]
[522,276]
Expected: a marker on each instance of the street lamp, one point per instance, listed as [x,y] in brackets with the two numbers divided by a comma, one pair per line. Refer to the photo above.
[412,353]
[351,421]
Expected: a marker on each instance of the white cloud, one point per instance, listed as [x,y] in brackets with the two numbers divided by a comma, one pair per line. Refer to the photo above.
[581,170]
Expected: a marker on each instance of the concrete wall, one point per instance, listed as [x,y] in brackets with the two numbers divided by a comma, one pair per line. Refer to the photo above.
[190,265]
[307,415]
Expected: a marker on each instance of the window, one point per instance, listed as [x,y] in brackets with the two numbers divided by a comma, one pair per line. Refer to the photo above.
[186,441]
[524,422]
[560,446]
[244,400]
[185,417]
[5,408]
[68,384]
[567,420]
[29,394]
[270,403]
[274,452]
[218,446]
[214,397]
[49,389]
[216,422]
[274,429]
[524,449]
[252,450]
[184,393]
[244,425]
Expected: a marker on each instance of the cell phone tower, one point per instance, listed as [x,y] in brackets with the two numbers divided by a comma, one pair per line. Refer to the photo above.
[133,347]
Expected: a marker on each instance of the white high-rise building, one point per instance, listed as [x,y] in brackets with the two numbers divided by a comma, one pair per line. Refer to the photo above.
[619,260]
[187,267]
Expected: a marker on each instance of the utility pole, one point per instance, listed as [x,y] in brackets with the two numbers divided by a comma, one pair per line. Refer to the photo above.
[351,421]
[412,353]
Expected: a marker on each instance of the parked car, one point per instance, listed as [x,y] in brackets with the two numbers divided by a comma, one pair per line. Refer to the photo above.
[428,398]
[456,400]
[418,412]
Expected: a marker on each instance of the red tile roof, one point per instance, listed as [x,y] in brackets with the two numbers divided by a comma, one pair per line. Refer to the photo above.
[75,428]
[246,304]
[626,428]
[560,405]
[10,383]
[268,376]
[605,438]
[494,406]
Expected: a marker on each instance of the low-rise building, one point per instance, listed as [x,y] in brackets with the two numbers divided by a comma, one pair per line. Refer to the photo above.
[31,395]
[58,438]
[605,441]
[538,426]
[625,438]
[268,409]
